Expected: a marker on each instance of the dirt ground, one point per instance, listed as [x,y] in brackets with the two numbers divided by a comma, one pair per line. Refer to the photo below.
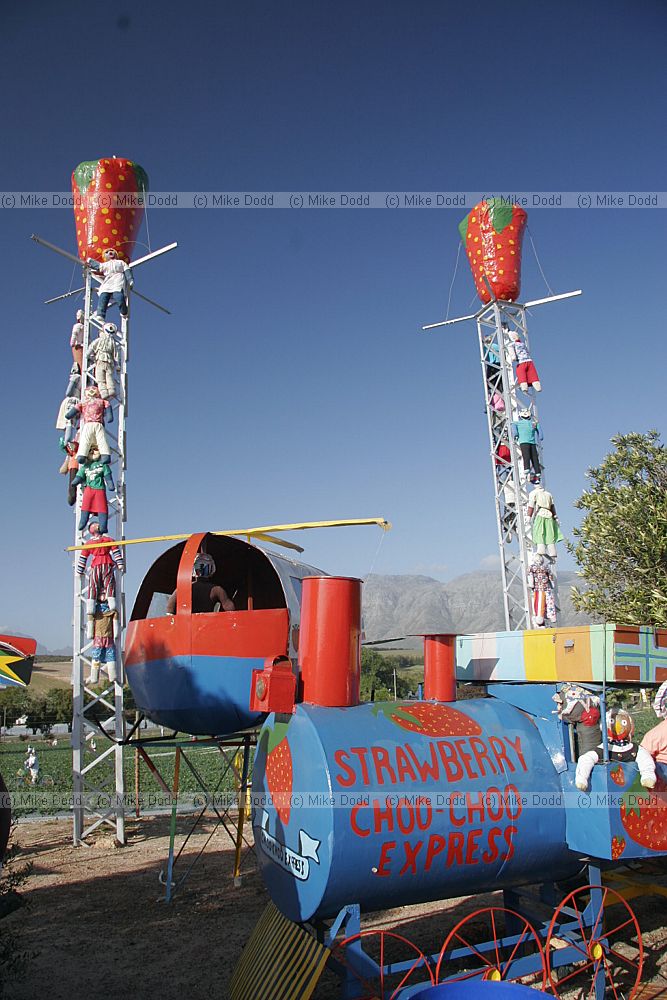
[96,920]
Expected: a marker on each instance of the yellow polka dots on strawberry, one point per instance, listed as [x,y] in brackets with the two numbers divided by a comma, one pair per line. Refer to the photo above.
[94,183]
[492,234]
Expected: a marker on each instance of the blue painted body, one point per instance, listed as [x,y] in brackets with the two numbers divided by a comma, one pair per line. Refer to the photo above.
[386,816]
[197,694]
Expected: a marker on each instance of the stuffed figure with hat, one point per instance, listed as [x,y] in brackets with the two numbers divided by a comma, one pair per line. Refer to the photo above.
[76,339]
[655,741]
[117,279]
[578,707]
[527,432]
[541,582]
[545,529]
[101,579]
[104,634]
[92,409]
[95,476]
[526,372]
[103,353]
[620,730]
[68,418]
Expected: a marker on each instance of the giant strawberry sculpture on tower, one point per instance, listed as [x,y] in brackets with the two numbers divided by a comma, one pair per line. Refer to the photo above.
[492,234]
[108,209]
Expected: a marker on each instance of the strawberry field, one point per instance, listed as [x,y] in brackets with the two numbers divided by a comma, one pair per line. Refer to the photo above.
[50,796]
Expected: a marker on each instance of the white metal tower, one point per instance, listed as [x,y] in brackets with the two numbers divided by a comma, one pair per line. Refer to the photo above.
[511,486]
[98,781]
[97,773]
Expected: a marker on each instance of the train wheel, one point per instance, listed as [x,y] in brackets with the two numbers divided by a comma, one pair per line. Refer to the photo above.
[399,963]
[611,947]
[493,959]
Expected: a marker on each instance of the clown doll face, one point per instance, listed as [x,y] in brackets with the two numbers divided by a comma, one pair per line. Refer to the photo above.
[94,454]
[620,726]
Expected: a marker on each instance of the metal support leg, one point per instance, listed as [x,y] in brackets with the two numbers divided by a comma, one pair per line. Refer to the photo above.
[172,827]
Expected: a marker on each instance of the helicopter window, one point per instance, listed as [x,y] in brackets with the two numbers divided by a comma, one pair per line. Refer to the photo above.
[242,570]
[158,605]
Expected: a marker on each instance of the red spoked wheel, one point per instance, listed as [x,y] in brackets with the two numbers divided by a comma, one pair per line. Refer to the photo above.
[615,949]
[386,949]
[493,958]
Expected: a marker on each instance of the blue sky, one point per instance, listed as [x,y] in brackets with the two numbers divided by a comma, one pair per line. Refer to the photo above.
[292,381]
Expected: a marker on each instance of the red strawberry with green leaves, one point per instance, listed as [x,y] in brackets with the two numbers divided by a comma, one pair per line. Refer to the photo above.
[492,234]
[103,220]
[644,815]
[617,775]
[617,847]
[278,769]
[429,718]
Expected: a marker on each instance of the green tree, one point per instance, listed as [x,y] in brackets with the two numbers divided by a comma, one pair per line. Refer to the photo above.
[14,702]
[59,705]
[377,677]
[621,544]
[38,716]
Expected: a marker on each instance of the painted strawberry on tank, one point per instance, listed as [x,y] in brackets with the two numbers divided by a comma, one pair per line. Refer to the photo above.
[278,768]
[429,718]
[644,815]
[103,219]
[492,234]
[617,847]
[617,775]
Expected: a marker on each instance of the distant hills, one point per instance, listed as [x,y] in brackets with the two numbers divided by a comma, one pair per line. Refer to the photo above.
[404,605]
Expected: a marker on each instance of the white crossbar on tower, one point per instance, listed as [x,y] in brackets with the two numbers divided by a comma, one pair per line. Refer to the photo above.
[511,485]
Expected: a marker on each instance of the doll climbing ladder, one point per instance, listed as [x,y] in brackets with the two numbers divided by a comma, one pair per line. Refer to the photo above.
[98,726]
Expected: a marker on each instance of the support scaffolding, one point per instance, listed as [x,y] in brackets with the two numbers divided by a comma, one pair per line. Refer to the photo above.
[217,801]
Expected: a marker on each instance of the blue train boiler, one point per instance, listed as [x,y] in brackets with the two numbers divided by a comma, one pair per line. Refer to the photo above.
[387,804]
[396,802]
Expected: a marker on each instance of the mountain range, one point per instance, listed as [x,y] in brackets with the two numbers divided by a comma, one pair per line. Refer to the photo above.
[405,605]
[408,605]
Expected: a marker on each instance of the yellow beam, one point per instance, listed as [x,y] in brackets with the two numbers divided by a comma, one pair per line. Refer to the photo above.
[261,532]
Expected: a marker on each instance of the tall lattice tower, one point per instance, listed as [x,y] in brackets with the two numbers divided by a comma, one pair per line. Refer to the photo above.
[503,399]
[98,781]
[97,765]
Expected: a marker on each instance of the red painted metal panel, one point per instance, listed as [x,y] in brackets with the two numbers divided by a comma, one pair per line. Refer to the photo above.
[230,633]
